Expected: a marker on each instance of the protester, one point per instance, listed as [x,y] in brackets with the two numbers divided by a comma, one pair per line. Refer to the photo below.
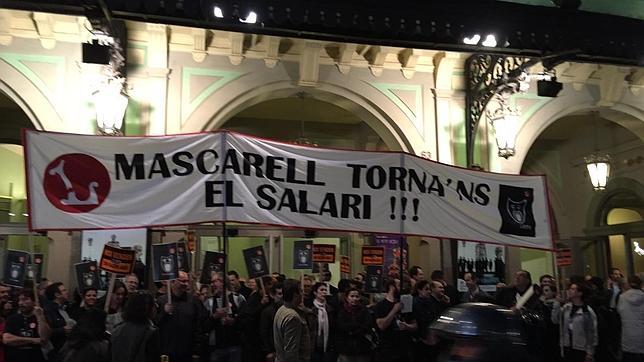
[116,304]
[353,325]
[321,325]
[87,340]
[614,286]
[307,295]
[578,324]
[394,328]
[548,298]
[131,282]
[137,339]
[325,277]
[474,292]
[416,275]
[290,331]
[179,322]
[236,286]
[509,296]
[59,321]
[27,331]
[267,318]
[450,291]
[225,330]
[88,302]
[250,320]
[631,311]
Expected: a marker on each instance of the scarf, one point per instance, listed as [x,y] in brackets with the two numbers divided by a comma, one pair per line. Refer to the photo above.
[323,321]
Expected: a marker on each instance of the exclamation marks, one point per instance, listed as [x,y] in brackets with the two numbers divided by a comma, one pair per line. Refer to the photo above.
[403,208]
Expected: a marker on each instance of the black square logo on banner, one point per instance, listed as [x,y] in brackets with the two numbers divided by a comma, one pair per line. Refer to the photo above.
[303,254]
[15,270]
[255,262]
[213,263]
[515,207]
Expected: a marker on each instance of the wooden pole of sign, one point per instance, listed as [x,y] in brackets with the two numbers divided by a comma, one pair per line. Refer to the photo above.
[261,284]
[35,287]
[169,289]
[224,232]
[110,290]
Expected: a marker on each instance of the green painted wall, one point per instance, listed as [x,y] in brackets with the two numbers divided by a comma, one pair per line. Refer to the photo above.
[13,172]
[537,262]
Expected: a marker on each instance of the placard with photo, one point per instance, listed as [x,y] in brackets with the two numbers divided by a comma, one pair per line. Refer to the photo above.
[213,263]
[303,254]
[164,262]
[87,276]
[15,270]
[255,262]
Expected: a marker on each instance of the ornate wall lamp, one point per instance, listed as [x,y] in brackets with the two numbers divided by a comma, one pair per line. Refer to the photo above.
[493,77]
[108,47]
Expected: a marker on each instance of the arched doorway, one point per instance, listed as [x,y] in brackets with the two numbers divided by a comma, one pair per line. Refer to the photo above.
[559,152]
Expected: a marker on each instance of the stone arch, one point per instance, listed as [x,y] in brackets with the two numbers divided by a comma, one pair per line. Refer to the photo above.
[38,108]
[627,113]
[356,96]
[597,210]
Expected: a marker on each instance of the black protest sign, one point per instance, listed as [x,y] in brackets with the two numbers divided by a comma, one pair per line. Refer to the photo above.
[164,262]
[303,254]
[34,268]
[117,260]
[15,269]
[255,262]
[373,283]
[183,256]
[213,263]
[87,276]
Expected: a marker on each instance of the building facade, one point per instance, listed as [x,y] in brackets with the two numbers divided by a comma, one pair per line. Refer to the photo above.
[361,96]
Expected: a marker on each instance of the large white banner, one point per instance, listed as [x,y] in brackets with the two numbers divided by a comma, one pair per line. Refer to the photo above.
[94,182]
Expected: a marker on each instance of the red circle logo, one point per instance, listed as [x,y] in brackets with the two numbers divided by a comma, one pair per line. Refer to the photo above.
[76,183]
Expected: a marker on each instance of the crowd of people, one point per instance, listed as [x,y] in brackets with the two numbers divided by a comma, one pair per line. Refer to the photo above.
[284,320]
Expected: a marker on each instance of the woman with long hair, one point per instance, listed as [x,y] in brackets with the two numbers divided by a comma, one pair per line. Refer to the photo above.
[353,328]
[137,339]
[116,304]
[577,325]
[87,340]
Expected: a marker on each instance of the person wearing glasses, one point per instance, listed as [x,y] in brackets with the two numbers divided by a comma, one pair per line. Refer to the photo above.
[179,321]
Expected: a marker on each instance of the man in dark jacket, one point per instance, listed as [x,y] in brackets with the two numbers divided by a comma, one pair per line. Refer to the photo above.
[509,296]
[179,322]
[266,321]
[57,318]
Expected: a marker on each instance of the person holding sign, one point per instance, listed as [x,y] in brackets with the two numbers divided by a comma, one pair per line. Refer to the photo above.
[225,330]
[26,331]
[57,318]
[394,327]
[179,321]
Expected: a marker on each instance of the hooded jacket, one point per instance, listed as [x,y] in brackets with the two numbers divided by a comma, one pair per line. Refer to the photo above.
[631,310]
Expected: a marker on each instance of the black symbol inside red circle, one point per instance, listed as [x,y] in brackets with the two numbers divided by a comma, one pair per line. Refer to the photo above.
[76,183]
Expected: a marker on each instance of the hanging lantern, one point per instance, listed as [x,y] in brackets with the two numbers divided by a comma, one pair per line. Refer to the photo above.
[110,104]
[505,125]
[598,170]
